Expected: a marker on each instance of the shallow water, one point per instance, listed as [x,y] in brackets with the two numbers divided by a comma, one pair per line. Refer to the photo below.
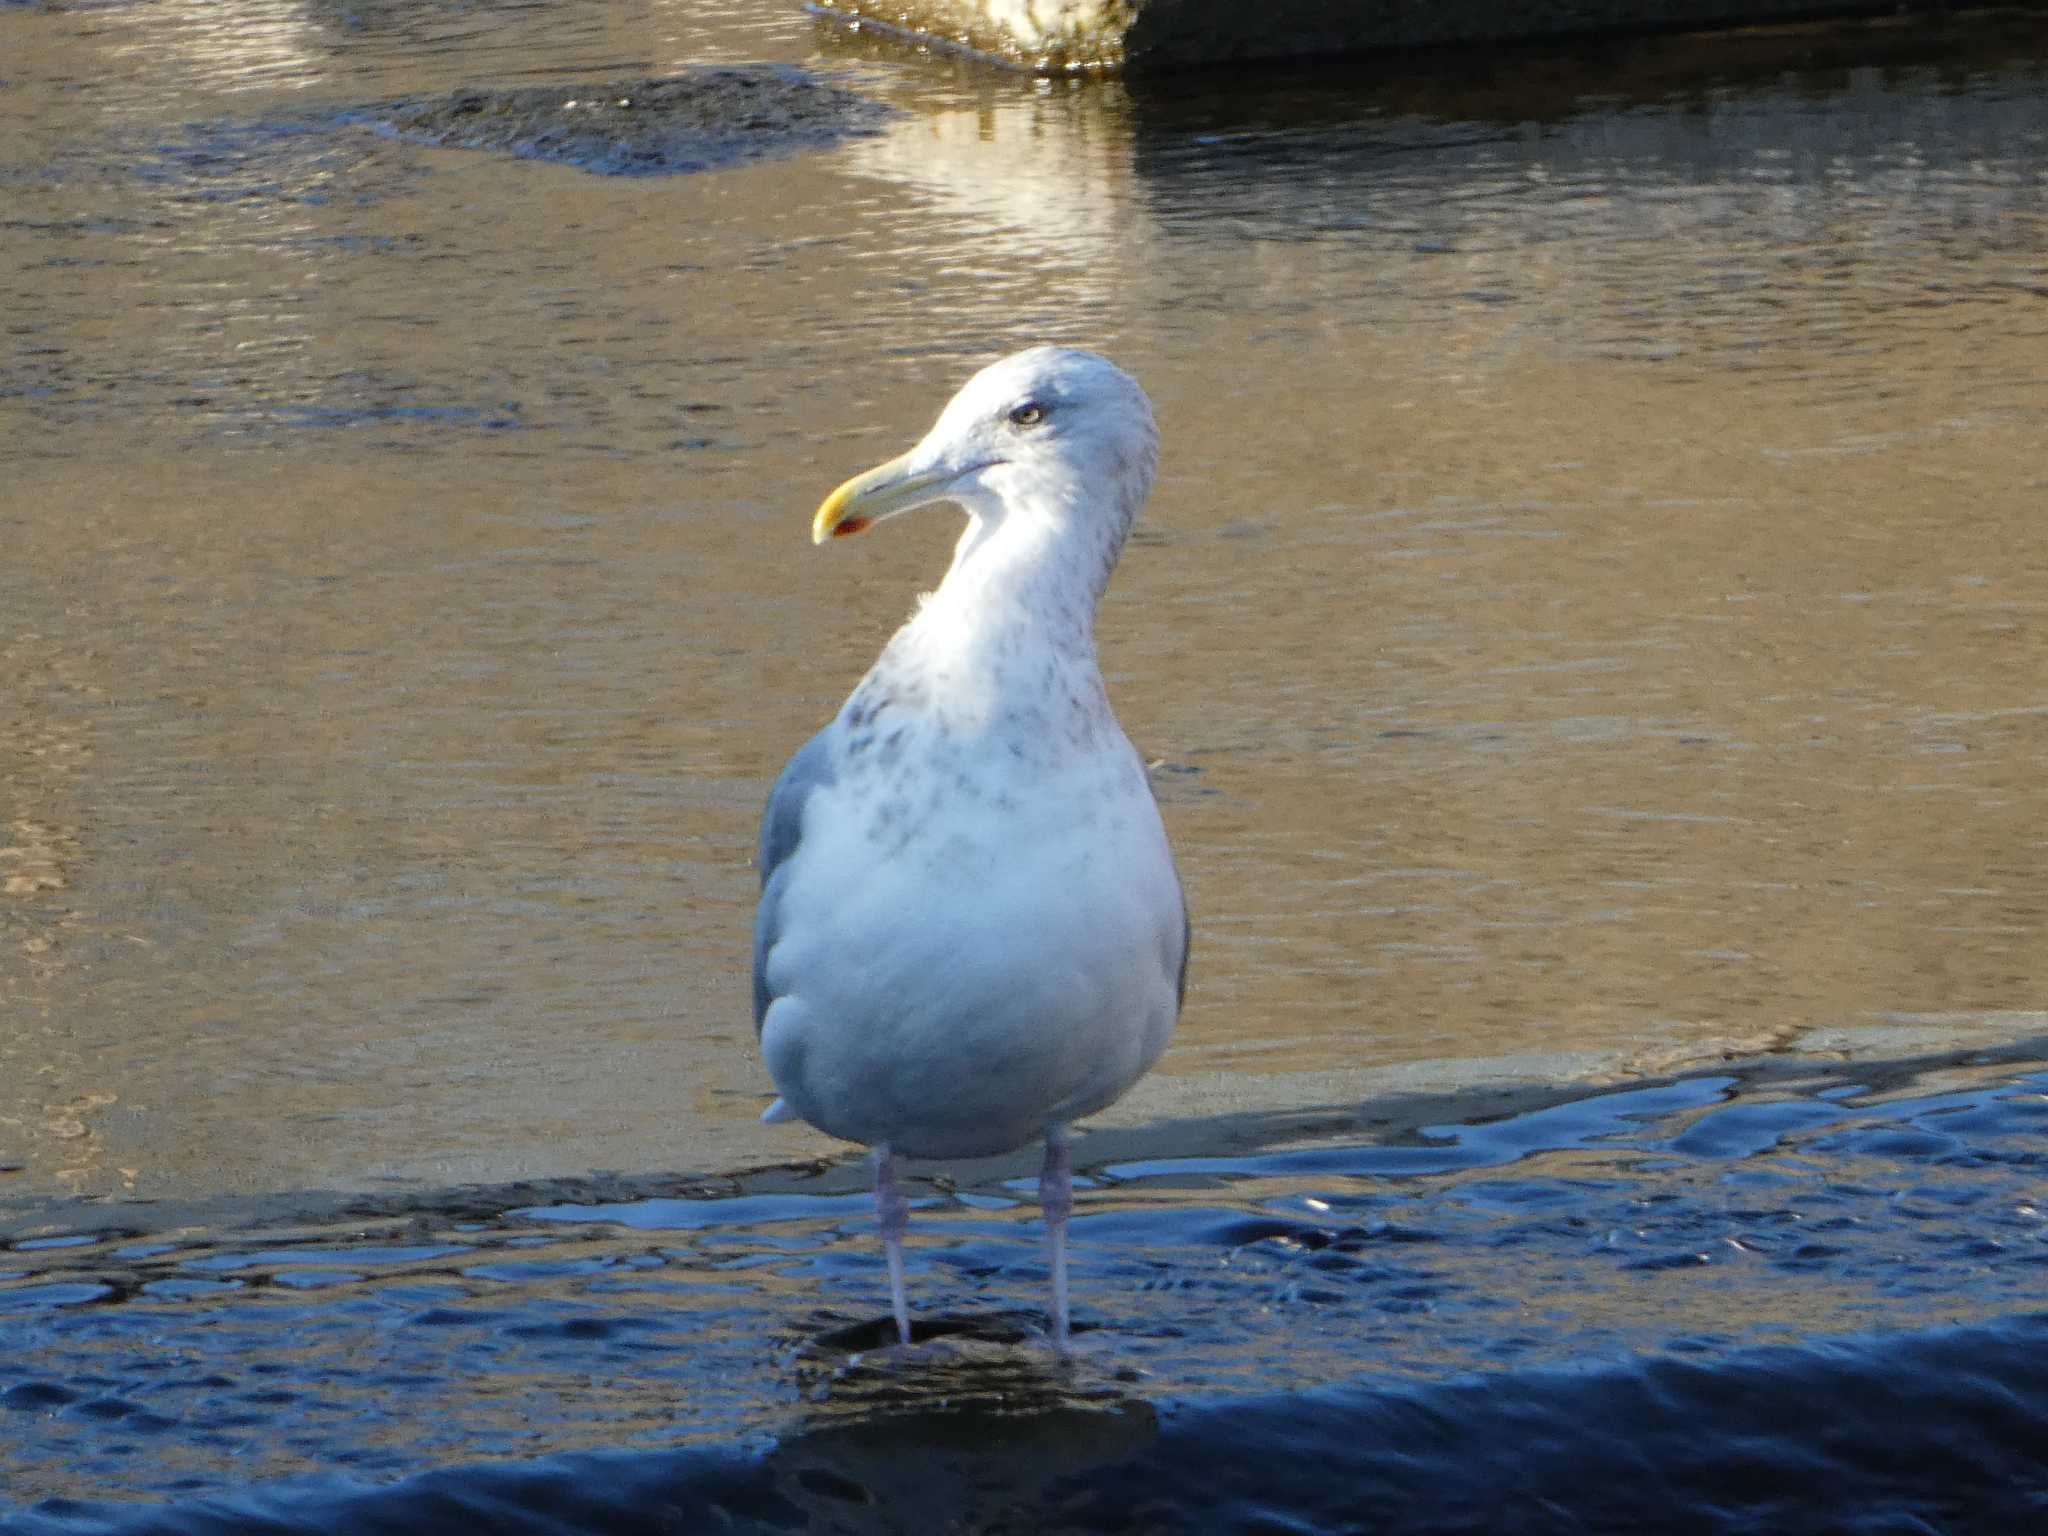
[1589,628]
[1590,618]
[1734,1292]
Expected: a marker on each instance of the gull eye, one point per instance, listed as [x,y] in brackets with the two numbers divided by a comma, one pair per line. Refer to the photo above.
[1029,414]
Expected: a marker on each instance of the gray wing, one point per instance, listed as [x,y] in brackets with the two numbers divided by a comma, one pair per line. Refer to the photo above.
[1187,944]
[1187,921]
[782,828]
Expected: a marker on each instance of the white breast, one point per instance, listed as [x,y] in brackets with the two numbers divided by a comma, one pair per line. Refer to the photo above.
[971,958]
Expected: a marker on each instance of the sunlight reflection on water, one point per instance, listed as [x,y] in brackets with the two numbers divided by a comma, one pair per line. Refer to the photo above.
[1556,627]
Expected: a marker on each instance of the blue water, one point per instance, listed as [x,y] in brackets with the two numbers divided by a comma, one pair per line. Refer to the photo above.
[1752,1301]
[1779,1299]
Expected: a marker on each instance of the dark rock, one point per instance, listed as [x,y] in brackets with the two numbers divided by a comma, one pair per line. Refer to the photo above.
[700,120]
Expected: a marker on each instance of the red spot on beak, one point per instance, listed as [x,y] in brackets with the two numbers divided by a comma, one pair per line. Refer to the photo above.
[850,527]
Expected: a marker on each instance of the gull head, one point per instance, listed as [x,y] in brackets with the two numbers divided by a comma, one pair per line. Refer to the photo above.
[1052,432]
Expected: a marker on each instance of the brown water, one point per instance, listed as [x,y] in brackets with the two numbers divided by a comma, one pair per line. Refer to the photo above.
[1591,618]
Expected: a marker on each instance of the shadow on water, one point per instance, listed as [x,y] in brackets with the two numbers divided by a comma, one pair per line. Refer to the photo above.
[1553,82]
[1795,1296]
[1936,1431]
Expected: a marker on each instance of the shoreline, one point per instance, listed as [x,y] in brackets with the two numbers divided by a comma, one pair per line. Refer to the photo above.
[1400,1106]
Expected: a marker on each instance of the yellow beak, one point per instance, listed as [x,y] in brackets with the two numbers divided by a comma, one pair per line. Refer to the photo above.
[882,492]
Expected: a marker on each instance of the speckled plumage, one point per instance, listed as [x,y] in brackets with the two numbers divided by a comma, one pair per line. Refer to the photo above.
[971,930]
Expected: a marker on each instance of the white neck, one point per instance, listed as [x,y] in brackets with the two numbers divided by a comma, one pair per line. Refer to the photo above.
[1040,560]
[1010,633]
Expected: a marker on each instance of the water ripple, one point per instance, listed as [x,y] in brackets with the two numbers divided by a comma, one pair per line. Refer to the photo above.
[1611,1267]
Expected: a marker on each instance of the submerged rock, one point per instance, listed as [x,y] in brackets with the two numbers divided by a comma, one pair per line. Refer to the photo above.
[700,120]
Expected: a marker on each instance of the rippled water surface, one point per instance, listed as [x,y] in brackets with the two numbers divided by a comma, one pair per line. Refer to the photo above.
[1589,628]
[1458,1324]
[1590,618]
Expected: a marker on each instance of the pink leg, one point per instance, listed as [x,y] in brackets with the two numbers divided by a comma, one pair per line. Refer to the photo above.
[892,1208]
[1056,1199]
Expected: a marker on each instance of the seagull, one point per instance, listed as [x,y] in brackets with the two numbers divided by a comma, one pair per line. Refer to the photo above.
[971,930]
